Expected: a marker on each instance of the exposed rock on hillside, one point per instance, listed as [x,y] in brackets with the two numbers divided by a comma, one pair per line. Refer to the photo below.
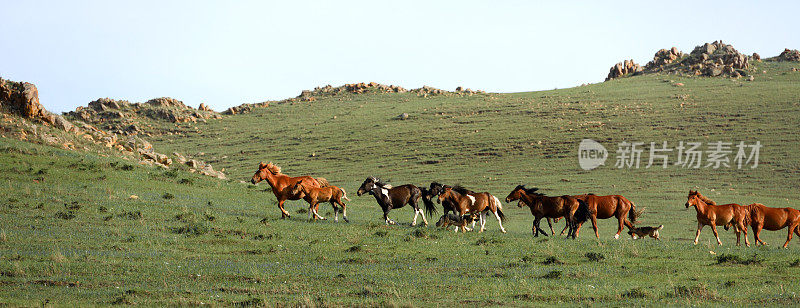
[789,55]
[623,68]
[350,88]
[710,59]
[123,113]
[22,117]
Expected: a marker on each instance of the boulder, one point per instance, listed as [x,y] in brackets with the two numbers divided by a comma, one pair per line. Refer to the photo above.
[20,98]
[204,107]
[789,55]
[624,68]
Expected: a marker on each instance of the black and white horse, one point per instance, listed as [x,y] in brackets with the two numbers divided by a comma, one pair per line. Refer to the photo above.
[389,198]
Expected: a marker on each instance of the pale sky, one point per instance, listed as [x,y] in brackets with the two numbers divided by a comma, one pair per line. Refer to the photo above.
[225,53]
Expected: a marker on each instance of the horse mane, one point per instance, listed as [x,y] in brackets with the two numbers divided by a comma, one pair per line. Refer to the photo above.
[529,191]
[461,190]
[273,168]
[704,198]
[380,183]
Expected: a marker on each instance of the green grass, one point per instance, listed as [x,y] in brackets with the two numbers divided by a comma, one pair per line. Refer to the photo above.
[222,242]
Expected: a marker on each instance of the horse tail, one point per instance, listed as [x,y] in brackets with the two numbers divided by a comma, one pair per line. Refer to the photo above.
[632,214]
[582,214]
[427,200]
[498,203]
[323,182]
[344,194]
[499,206]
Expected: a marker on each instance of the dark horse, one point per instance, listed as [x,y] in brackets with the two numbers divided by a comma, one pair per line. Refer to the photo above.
[436,189]
[574,210]
[389,198]
[282,184]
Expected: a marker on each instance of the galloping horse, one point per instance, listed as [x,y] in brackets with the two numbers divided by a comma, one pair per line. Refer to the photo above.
[465,201]
[773,219]
[389,198]
[314,196]
[572,209]
[434,191]
[709,213]
[604,207]
[282,184]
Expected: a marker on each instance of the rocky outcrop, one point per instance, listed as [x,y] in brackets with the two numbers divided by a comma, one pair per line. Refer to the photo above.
[623,68]
[124,117]
[20,98]
[350,88]
[710,59]
[204,107]
[789,55]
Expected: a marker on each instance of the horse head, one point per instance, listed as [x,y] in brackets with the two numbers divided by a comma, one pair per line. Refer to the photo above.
[516,194]
[297,187]
[447,191]
[367,186]
[260,174]
[693,199]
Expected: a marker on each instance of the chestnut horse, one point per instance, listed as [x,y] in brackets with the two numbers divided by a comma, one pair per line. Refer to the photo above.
[282,184]
[572,209]
[773,219]
[604,207]
[314,196]
[389,198]
[711,214]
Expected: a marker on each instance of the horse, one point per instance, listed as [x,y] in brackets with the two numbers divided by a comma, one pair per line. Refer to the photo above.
[465,201]
[435,189]
[709,213]
[314,196]
[389,198]
[604,207]
[773,219]
[282,184]
[572,209]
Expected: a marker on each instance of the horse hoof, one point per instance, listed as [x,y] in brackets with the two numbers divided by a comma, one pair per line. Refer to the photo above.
[346,220]
[616,236]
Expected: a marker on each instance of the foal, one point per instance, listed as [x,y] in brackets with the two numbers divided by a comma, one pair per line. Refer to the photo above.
[314,196]
[711,214]
[465,202]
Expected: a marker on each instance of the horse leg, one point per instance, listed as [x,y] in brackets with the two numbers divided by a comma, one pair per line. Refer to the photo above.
[386,216]
[344,211]
[714,228]
[697,235]
[789,237]
[482,216]
[565,229]
[536,228]
[500,221]
[550,224]
[757,234]
[284,213]
[619,229]
[335,211]
[744,230]
[416,212]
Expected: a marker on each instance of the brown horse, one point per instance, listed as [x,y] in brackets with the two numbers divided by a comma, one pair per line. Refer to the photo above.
[604,207]
[773,219]
[282,184]
[314,196]
[572,209]
[465,202]
[711,214]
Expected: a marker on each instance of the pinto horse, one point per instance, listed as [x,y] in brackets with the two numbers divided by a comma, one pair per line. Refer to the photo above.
[389,198]
[465,201]
[773,219]
[282,184]
[572,209]
[711,214]
[314,196]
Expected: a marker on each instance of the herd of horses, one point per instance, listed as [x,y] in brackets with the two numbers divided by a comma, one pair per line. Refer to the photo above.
[458,201]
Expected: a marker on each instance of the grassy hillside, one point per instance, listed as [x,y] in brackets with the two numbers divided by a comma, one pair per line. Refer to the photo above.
[71,233]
